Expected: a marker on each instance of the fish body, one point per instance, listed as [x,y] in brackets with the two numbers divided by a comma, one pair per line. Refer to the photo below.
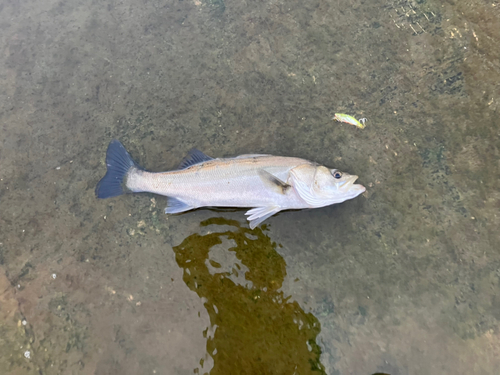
[341,117]
[267,184]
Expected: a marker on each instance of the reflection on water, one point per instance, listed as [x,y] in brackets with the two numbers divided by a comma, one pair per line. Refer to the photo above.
[256,328]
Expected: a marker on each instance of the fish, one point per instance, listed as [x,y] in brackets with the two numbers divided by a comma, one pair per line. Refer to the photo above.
[350,120]
[265,183]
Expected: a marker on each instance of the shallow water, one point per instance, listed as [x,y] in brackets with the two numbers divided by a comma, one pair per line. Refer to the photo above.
[404,279]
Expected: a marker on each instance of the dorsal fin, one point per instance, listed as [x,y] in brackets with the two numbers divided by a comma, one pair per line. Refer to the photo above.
[193,157]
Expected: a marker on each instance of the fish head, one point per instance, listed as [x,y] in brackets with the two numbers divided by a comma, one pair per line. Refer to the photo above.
[340,184]
[336,186]
[321,186]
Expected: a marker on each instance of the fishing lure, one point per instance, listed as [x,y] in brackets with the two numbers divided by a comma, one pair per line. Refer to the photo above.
[350,120]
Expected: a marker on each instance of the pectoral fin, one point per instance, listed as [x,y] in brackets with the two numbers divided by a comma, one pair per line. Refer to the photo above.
[259,214]
[273,182]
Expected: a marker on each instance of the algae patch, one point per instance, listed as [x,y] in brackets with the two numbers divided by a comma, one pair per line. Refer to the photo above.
[256,329]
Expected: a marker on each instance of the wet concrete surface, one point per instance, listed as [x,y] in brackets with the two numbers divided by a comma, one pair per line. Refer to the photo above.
[402,280]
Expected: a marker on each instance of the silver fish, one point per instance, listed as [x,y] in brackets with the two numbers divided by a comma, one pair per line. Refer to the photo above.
[266,183]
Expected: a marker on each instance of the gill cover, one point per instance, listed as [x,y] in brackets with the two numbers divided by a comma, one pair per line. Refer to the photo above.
[308,181]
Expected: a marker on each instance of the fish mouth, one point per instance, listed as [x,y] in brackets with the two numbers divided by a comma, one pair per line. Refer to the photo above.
[349,185]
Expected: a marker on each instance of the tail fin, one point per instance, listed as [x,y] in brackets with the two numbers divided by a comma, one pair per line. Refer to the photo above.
[119,163]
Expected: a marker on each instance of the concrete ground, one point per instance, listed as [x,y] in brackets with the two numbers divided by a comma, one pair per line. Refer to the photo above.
[402,280]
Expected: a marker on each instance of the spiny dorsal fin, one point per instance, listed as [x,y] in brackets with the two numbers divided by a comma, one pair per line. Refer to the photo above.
[273,182]
[193,157]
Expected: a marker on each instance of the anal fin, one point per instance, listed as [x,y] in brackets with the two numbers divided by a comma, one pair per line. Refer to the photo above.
[175,206]
[259,214]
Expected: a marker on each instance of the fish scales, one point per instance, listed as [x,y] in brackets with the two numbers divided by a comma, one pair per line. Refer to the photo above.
[265,183]
[221,183]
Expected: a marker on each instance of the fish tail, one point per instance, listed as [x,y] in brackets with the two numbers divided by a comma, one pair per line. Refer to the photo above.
[119,163]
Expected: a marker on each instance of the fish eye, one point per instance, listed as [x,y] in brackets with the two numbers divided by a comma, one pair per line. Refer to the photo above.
[337,175]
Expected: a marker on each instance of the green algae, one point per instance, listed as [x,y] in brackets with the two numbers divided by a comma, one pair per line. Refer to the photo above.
[258,330]
[15,339]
